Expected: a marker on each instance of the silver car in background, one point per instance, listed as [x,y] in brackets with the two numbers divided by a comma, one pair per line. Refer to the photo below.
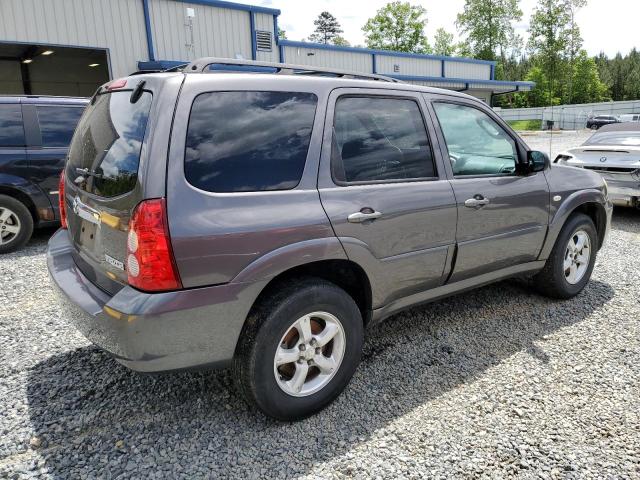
[613,152]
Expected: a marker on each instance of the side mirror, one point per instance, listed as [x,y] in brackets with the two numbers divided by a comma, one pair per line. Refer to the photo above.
[537,161]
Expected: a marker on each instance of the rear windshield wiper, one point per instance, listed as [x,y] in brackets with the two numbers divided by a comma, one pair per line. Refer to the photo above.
[86,172]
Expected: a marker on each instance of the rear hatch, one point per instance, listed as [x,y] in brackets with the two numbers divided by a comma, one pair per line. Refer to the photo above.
[102,187]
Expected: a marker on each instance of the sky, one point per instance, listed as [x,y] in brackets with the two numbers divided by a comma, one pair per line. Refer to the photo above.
[606,25]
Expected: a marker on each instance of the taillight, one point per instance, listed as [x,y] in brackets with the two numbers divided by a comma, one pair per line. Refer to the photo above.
[150,263]
[61,202]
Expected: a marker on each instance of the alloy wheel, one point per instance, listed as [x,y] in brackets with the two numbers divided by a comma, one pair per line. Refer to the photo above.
[576,257]
[309,354]
[9,225]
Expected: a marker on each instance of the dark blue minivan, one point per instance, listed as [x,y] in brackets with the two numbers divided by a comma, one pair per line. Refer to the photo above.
[35,133]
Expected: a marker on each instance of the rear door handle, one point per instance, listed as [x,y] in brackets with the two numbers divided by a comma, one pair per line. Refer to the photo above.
[364,215]
[476,202]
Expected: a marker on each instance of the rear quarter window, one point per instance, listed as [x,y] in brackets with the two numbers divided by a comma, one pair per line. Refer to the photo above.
[248,141]
[11,129]
[57,124]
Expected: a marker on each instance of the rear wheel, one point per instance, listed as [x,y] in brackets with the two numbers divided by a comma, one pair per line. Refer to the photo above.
[299,349]
[569,267]
[16,224]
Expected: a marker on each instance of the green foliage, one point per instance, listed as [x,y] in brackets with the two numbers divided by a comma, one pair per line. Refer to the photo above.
[282,34]
[621,75]
[587,86]
[443,43]
[488,26]
[523,125]
[341,41]
[398,26]
[327,29]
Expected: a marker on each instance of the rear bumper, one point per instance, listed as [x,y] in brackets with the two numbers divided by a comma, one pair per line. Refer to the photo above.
[623,195]
[152,332]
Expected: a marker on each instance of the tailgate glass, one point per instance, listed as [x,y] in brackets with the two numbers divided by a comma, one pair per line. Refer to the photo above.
[105,150]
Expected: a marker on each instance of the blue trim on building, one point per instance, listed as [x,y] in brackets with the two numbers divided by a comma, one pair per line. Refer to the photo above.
[389,53]
[233,6]
[493,72]
[147,27]
[252,27]
[275,29]
[159,64]
[374,67]
[442,69]
[281,53]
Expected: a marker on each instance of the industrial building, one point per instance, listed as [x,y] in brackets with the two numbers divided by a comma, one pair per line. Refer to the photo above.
[69,47]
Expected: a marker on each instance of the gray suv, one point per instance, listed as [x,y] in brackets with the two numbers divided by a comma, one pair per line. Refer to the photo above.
[265,220]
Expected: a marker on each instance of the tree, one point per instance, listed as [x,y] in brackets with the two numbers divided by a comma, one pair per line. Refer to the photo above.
[398,26]
[443,43]
[282,34]
[554,38]
[341,41]
[327,28]
[488,25]
[586,81]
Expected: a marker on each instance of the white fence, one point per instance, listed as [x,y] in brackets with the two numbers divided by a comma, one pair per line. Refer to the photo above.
[569,117]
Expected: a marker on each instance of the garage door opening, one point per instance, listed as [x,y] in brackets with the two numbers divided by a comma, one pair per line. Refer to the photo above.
[32,69]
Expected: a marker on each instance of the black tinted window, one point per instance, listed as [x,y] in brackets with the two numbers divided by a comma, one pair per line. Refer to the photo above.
[57,124]
[248,141]
[378,139]
[107,144]
[11,130]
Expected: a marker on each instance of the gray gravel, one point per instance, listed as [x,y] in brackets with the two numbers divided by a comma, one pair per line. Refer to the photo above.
[497,383]
[553,144]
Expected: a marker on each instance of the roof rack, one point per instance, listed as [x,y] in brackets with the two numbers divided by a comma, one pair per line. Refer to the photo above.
[200,65]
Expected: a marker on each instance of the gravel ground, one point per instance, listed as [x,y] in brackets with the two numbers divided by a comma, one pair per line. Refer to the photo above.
[557,142]
[498,383]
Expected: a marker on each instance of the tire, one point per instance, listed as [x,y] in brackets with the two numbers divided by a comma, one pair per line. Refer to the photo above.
[554,280]
[16,224]
[270,330]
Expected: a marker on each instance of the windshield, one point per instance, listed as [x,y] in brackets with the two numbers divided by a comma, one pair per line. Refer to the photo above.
[105,150]
[615,138]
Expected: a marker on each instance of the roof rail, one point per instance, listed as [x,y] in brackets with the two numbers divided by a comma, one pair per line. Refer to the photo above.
[200,65]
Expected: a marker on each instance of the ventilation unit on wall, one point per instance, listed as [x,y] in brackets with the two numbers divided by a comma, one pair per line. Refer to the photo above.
[263,41]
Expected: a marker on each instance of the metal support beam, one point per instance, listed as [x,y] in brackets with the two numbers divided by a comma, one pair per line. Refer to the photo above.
[252,25]
[147,26]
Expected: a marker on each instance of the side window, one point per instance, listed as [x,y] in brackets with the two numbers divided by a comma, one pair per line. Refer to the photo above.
[380,139]
[477,144]
[57,124]
[11,128]
[248,141]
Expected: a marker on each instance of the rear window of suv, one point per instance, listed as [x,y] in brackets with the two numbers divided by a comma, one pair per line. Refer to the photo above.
[105,151]
[57,124]
[248,141]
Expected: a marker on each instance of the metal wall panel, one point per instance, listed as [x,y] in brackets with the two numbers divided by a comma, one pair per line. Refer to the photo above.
[264,21]
[117,25]
[408,66]
[217,32]
[467,70]
[354,61]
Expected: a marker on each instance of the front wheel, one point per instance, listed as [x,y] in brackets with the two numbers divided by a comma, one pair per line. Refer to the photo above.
[299,349]
[569,267]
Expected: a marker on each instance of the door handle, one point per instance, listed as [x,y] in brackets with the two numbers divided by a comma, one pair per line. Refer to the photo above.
[364,215]
[476,202]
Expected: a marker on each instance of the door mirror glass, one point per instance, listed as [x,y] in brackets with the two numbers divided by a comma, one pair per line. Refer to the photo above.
[538,161]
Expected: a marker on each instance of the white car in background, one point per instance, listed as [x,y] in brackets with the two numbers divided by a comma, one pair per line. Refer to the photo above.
[613,152]
[630,117]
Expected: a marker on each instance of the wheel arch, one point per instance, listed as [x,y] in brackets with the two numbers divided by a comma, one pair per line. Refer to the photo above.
[344,273]
[589,202]
[23,198]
